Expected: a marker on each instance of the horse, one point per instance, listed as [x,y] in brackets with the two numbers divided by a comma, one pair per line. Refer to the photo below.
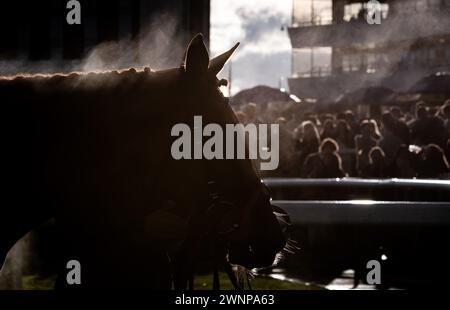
[92,151]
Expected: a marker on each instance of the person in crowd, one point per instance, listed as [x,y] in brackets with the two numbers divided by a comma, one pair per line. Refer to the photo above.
[346,141]
[396,113]
[287,145]
[377,167]
[324,164]
[408,118]
[402,131]
[419,123]
[434,164]
[292,114]
[327,116]
[361,150]
[344,135]
[251,110]
[403,165]
[394,135]
[433,111]
[328,130]
[446,116]
[399,127]
[352,122]
[340,115]
[308,142]
[282,122]
[436,127]
[364,142]
[242,117]
[427,129]
[312,118]
[447,150]
[374,129]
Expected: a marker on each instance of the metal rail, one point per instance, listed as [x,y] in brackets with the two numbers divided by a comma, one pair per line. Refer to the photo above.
[363,212]
[356,182]
[357,212]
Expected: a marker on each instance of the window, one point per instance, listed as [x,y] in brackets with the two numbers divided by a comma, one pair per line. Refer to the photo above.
[312,12]
[435,4]
[301,61]
[405,8]
[432,56]
[447,54]
[421,5]
[357,11]
[384,11]
[352,62]
[309,62]
[440,55]
[371,63]
[420,56]
[351,11]
[414,6]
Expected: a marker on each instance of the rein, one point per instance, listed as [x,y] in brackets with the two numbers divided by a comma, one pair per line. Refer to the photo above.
[206,230]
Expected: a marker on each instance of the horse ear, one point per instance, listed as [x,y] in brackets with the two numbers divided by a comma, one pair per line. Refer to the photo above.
[216,64]
[197,58]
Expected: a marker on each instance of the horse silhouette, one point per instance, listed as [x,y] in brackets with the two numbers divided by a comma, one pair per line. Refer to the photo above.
[92,150]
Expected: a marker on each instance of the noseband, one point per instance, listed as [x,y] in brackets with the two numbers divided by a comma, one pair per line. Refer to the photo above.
[211,230]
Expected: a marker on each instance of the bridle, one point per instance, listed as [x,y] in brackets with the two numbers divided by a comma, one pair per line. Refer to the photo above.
[212,226]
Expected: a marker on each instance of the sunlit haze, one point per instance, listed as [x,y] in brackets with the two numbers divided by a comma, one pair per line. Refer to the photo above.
[264,56]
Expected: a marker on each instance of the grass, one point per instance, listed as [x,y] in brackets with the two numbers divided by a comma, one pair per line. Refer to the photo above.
[36,282]
[204,282]
[201,282]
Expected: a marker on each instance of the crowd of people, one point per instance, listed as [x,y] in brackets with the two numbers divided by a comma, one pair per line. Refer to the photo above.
[400,143]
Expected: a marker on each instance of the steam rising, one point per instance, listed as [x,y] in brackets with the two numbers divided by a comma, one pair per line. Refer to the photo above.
[157,45]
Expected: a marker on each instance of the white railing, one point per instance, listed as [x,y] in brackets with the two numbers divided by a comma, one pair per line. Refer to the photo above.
[362,211]
[357,182]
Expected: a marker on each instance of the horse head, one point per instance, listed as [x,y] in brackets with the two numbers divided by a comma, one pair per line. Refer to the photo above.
[241,216]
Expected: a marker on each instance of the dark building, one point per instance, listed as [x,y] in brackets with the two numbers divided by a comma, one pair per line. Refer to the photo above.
[35,36]
[336,50]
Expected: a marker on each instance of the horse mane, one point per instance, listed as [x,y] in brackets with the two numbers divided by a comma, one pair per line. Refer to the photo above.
[73,74]
[91,80]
